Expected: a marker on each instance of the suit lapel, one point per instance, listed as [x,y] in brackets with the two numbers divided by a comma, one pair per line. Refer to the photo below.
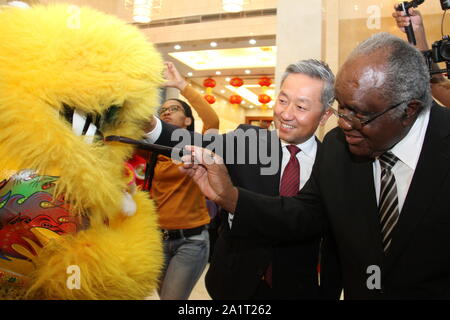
[365,207]
[271,181]
[432,168]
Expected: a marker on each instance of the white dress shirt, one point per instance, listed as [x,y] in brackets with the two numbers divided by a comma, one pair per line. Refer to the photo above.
[153,135]
[408,152]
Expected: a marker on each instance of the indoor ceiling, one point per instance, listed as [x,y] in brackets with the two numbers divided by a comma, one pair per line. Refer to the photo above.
[198,60]
[237,57]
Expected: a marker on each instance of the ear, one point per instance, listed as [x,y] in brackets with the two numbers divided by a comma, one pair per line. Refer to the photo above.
[187,121]
[412,110]
[325,117]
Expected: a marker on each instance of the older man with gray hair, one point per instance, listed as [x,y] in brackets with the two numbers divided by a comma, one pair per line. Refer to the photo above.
[380,185]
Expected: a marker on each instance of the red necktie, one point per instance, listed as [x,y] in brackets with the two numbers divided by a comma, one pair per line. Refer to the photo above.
[290,182]
[289,186]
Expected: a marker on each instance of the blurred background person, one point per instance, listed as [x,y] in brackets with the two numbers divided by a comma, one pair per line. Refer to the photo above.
[440,86]
[182,208]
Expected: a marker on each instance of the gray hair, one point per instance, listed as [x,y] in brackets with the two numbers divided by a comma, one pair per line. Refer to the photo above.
[407,74]
[318,70]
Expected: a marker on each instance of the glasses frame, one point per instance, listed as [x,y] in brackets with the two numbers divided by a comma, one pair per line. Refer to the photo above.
[357,123]
[171,108]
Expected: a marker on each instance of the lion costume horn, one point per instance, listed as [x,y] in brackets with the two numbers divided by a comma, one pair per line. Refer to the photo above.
[60,65]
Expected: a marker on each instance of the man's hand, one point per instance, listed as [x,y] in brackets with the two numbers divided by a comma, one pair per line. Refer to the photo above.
[208,171]
[174,79]
[150,125]
[417,23]
[404,21]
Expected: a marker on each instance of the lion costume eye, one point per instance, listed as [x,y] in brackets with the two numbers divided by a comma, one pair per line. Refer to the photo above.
[87,124]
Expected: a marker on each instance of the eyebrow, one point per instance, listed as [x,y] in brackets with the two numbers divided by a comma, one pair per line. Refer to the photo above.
[353,108]
[303,99]
[297,99]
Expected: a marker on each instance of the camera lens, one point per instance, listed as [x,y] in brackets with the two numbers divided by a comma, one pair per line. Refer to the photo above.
[445,4]
[445,50]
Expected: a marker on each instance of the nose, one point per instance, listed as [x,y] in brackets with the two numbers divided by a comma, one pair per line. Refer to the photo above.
[288,112]
[168,111]
[344,124]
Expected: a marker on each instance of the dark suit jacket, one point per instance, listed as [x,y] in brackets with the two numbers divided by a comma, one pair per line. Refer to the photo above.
[341,195]
[239,261]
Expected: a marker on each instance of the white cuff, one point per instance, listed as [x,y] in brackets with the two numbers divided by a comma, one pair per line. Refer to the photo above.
[153,135]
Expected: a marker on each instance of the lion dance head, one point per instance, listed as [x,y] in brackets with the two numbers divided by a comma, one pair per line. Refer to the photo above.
[69,77]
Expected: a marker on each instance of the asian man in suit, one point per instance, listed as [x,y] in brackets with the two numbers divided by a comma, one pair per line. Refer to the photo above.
[380,184]
[244,267]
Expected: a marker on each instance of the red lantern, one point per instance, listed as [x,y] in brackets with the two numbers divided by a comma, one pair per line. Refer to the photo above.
[236,82]
[209,83]
[264,98]
[210,98]
[265,82]
[235,99]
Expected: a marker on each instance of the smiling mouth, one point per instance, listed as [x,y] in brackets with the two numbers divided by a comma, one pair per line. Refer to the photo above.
[286,126]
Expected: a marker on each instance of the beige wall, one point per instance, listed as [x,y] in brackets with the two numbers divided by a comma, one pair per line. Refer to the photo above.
[258,26]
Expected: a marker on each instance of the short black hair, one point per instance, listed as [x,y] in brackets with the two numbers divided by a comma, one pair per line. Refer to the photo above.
[188,113]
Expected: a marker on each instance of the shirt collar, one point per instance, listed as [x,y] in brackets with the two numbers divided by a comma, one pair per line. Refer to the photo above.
[307,147]
[409,148]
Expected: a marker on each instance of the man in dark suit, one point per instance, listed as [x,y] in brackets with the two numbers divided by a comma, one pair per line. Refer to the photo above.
[243,267]
[380,184]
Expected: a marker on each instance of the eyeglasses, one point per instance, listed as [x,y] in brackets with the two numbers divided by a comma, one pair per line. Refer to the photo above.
[172,108]
[358,123]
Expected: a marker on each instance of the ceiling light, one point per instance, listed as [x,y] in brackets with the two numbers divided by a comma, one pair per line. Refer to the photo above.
[222,91]
[243,102]
[244,93]
[227,79]
[218,73]
[233,58]
[251,106]
[247,71]
[18,4]
[213,44]
[232,5]
[252,41]
[177,47]
[142,11]
[190,74]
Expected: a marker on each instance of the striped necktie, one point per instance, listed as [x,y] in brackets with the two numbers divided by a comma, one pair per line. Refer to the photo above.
[388,205]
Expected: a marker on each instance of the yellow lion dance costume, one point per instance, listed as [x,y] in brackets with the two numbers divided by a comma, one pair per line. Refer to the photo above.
[70,225]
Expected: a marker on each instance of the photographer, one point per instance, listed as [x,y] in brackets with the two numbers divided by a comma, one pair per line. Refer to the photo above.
[440,87]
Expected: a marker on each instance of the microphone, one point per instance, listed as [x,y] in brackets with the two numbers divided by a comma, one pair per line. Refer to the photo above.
[405,6]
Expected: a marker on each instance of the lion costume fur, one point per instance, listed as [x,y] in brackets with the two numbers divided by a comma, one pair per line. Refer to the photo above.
[51,58]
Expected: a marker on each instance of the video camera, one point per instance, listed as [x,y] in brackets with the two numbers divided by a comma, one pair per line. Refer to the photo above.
[440,50]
